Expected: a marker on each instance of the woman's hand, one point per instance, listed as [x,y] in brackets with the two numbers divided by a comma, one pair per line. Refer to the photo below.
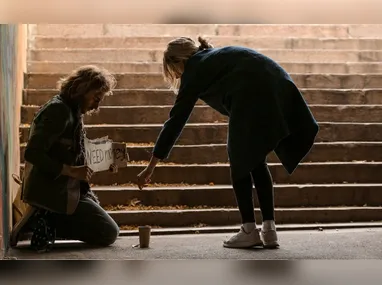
[144,177]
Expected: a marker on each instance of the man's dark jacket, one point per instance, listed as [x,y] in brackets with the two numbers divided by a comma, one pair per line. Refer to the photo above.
[54,140]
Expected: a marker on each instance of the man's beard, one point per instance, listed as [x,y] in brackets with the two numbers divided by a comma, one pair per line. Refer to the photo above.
[92,112]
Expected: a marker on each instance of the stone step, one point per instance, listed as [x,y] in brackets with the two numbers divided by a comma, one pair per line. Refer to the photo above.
[217,153]
[155,81]
[219,174]
[291,67]
[217,133]
[205,114]
[135,115]
[319,195]
[321,152]
[51,42]
[222,217]
[140,97]
[306,173]
[203,229]
[122,67]
[192,30]
[156,55]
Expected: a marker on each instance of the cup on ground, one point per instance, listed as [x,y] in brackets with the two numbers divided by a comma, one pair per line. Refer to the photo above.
[144,236]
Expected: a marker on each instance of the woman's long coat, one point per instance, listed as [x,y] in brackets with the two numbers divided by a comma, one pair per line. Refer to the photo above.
[266,110]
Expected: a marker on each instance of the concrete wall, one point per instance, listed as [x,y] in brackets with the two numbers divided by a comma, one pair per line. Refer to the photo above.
[12,68]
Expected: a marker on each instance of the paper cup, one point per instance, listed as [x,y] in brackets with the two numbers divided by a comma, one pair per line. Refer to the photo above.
[144,236]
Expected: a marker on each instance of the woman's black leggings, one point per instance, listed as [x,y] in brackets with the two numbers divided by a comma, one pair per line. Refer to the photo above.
[262,179]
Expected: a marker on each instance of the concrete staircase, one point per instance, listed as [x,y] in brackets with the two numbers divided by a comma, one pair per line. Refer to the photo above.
[338,69]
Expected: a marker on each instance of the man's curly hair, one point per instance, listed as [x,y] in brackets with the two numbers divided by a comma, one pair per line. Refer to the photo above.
[79,82]
[84,79]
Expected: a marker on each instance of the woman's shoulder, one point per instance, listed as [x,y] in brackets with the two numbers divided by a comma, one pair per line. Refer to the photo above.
[229,50]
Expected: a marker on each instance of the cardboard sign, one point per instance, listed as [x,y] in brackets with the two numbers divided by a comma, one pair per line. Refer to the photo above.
[121,157]
[102,152]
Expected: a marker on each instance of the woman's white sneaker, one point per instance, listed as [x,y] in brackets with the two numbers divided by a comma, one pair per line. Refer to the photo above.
[244,239]
[269,235]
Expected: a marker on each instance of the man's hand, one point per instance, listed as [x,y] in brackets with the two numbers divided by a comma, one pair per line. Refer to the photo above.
[113,168]
[83,172]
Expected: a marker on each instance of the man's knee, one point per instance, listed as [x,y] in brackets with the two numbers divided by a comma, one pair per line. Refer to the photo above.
[109,235]
[102,229]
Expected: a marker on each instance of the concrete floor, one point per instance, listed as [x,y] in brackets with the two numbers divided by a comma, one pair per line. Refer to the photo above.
[328,244]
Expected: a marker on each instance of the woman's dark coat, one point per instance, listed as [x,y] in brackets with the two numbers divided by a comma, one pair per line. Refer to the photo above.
[266,110]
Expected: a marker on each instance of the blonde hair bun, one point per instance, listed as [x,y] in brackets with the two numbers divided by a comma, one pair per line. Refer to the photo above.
[204,44]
